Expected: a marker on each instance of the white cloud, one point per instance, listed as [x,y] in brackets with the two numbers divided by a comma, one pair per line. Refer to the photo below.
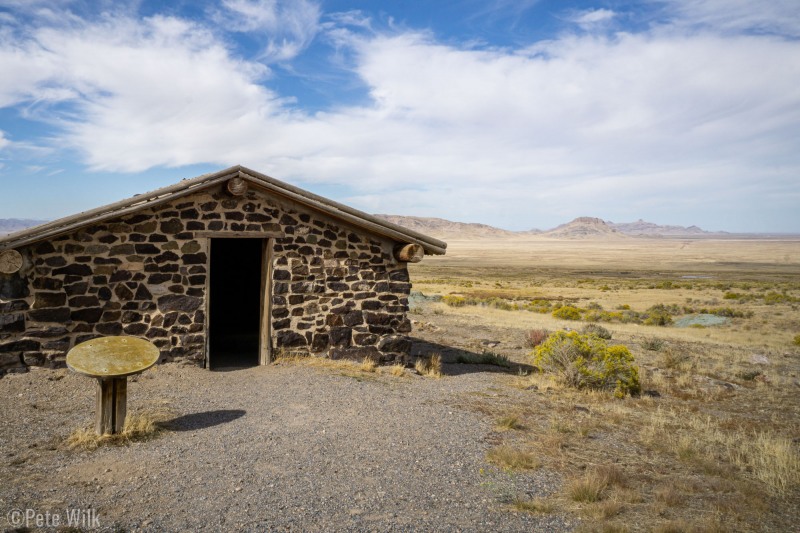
[143,92]
[581,124]
[34,6]
[3,141]
[592,17]
[288,26]
[354,17]
[775,16]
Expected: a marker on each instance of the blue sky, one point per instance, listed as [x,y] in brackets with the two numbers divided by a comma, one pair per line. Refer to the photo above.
[520,114]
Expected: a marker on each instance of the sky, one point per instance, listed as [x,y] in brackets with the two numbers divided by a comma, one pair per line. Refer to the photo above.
[516,113]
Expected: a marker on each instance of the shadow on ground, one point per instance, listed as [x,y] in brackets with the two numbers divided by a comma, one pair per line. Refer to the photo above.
[452,357]
[202,420]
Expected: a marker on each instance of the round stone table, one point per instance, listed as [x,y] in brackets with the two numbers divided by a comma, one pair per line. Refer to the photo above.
[111,360]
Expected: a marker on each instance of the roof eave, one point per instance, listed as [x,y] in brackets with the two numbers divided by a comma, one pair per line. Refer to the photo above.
[343,212]
[185,187]
[71,223]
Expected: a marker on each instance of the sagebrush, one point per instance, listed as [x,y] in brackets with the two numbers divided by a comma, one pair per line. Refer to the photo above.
[586,361]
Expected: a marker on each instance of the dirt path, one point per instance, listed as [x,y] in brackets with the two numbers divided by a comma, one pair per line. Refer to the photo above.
[277,447]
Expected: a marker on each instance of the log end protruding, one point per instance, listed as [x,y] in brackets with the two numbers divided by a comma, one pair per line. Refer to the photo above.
[236,186]
[409,253]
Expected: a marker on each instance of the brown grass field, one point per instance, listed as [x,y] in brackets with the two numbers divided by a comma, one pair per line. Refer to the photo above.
[713,442]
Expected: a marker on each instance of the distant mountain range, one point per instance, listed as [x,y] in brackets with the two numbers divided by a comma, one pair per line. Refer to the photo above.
[580,228]
[441,228]
[10,225]
[640,227]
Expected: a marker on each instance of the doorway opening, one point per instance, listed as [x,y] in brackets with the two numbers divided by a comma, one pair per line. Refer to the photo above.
[236,296]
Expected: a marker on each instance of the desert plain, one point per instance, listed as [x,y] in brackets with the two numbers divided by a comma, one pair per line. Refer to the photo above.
[712,442]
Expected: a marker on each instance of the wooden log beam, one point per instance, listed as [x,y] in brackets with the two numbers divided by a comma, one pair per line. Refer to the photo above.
[236,186]
[409,253]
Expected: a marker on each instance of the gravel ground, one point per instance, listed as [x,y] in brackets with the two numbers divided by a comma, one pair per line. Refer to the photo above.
[282,447]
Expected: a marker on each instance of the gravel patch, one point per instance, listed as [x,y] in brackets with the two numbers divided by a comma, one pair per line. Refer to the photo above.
[281,447]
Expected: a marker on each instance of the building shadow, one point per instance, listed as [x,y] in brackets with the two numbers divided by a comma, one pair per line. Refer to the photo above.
[454,359]
[202,420]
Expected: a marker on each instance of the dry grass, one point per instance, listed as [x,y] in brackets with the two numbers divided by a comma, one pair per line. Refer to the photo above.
[765,456]
[535,337]
[138,427]
[606,509]
[611,475]
[669,495]
[429,366]
[508,423]
[586,489]
[347,367]
[398,370]
[591,486]
[510,458]
[368,365]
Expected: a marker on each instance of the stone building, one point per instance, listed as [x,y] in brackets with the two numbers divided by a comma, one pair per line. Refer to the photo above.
[222,269]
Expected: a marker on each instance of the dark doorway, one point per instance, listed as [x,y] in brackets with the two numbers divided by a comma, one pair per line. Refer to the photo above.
[235,313]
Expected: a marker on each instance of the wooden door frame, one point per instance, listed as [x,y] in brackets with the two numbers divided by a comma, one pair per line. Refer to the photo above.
[265,330]
[265,324]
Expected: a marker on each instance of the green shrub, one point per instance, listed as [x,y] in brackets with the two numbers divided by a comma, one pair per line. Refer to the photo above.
[719,311]
[539,306]
[497,303]
[658,319]
[659,315]
[586,361]
[604,316]
[597,330]
[454,301]
[797,340]
[567,312]
[730,313]
[772,298]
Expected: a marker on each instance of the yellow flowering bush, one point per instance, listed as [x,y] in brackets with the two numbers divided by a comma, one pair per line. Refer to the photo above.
[586,361]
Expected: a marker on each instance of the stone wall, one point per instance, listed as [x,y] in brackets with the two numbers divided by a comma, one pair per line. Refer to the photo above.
[337,291]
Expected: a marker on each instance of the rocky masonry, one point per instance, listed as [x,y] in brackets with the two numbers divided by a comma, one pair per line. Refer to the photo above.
[336,291]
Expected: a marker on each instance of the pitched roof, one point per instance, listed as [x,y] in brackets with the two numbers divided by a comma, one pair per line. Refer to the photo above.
[188,186]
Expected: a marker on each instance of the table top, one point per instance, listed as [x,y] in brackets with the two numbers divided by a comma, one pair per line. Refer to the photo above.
[112,357]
